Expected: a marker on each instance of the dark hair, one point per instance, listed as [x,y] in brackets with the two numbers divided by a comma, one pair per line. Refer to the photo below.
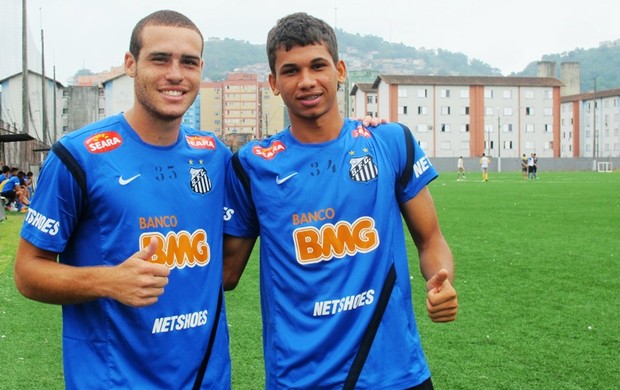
[160,18]
[300,29]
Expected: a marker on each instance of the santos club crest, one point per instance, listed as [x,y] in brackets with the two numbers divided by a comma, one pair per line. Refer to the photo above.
[363,169]
[199,182]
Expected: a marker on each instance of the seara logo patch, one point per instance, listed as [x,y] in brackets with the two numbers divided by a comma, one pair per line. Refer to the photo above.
[103,142]
[200,142]
[269,152]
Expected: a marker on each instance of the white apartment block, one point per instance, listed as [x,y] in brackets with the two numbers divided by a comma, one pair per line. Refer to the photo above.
[453,116]
[590,125]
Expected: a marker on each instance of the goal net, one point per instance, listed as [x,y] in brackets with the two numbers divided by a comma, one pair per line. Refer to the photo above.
[604,166]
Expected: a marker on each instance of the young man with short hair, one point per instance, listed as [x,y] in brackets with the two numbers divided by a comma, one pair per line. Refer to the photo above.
[132,207]
[326,196]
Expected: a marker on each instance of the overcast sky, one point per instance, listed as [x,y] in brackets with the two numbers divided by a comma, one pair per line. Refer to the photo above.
[506,35]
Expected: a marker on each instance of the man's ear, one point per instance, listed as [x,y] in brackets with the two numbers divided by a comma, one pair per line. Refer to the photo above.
[272,84]
[341,67]
[130,65]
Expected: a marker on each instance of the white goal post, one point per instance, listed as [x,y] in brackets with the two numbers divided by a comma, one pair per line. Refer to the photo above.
[604,166]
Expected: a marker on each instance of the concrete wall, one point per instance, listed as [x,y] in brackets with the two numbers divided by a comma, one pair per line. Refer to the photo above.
[445,164]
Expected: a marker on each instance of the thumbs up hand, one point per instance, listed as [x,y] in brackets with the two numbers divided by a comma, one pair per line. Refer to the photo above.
[137,281]
[441,298]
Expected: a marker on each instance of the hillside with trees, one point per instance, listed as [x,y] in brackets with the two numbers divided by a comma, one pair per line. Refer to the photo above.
[368,52]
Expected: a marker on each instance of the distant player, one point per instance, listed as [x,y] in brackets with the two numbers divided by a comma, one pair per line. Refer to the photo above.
[484,166]
[460,166]
[524,166]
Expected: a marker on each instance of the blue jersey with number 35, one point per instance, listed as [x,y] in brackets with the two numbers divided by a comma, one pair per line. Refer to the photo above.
[134,192]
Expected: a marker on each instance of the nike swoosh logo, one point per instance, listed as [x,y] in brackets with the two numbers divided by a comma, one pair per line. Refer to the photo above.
[124,182]
[285,178]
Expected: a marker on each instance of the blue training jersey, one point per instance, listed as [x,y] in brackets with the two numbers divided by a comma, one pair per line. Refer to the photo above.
[330,227]
[135,191]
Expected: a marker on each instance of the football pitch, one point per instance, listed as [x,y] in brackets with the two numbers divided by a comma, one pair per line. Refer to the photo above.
[537,272]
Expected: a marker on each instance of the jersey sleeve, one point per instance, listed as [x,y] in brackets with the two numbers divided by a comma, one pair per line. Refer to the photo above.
[239,212]
[415,168]
[54,209]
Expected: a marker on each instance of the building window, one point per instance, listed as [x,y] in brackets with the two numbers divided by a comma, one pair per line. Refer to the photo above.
[423,145]
[445,110]
[445,93]
[445,128]
[422,93]
[529,111]
[548,111]
[422,110]
[488,93]
[465,128]
[507,145]
[465,93]
[488,111]
[446,145]
[402,110]
[422,128]
[529,94]
[529,128]
[507,111]
[465,110]
[507,94]
[548,128]
[402,92]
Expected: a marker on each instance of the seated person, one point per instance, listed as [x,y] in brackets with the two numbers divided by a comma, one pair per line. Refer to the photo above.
[9,189]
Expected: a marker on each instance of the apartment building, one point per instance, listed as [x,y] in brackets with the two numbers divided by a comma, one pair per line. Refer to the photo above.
[590,125]
[240,108]
[367,104]
[455,116]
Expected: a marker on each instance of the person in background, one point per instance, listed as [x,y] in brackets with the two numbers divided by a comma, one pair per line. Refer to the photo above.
[484,166]
[21,192]
[326,196]
[139,277]
[10,190]
[524,166]
[29,180]
[531,167]
[460,166]
[4,174]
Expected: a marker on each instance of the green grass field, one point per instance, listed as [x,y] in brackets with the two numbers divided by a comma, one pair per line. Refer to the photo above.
[538,277]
